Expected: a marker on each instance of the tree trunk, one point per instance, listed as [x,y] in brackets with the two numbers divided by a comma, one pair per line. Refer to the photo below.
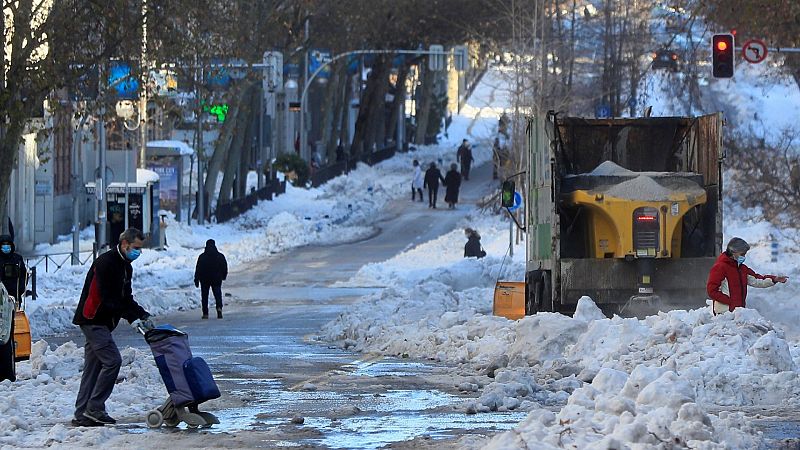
[222,146]
[424,101]
[361,140]
[331,118]
[399,98]
[242,124]
[376,125]
[344,108]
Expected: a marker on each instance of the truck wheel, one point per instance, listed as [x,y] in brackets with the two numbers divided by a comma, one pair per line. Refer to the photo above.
[8,370]
[532,292]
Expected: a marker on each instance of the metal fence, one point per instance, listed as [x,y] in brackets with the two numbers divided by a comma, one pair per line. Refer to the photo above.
[227,211]
[54,261]
[327,173]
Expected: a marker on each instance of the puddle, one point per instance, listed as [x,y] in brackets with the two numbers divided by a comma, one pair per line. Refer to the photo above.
[780,434]
[389,369]
[368,432]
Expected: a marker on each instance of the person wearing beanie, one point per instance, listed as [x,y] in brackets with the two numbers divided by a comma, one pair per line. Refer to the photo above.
[729,278]
[211,270]
[13,272]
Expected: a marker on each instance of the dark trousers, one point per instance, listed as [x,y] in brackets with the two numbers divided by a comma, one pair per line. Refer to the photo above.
[216,289]
[100,369]
[414,192]
[465,169]
[433,191]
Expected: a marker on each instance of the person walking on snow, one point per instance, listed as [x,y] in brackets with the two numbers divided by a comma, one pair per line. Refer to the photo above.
[729,278]
[473,246]
[211,269]
[106,298]
[416,182]
[13,272]
[464,155]
[452,182]
[432,178]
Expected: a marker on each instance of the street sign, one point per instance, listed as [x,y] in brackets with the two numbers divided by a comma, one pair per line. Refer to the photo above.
[602,111]
[316,58]
[461,57]
[436,58]
[754,51]
[273,72]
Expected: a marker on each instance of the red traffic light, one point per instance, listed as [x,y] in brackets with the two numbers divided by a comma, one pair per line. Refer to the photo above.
[722,60]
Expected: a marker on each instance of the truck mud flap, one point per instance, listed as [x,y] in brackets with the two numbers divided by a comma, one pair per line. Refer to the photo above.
[680,283]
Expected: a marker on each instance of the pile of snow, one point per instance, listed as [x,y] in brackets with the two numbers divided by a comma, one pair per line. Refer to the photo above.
[38,407]
[651,407]
[616,379]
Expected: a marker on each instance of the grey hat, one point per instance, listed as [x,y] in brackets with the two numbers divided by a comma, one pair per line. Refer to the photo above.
[738,245]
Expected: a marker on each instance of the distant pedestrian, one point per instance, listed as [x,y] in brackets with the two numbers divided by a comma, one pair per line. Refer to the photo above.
[339,152]
[417,182]
[452,182]
[211,269]
[464,155]
[13,272]
[432,178]
[473,246]
[729,278]
[106,298]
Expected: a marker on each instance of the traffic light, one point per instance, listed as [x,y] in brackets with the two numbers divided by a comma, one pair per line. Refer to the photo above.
[507,197]
[722,49]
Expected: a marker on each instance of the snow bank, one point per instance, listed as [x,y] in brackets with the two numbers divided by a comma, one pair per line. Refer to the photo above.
[617,380]
[37,409]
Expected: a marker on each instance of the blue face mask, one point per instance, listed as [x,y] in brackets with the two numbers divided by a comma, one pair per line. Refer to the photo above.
[740,259]
[5,248]
[134,253]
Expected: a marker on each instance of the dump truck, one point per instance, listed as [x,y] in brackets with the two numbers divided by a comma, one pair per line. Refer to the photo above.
[627,211]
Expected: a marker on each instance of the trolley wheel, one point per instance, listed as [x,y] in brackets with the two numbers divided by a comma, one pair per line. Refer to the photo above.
[154,418]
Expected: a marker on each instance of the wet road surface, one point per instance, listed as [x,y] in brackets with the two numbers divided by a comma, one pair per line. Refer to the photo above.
[270,370]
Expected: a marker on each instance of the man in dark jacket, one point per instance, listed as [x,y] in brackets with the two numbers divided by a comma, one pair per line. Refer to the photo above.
[106,298]
[432,178]
[729,278]
[212,268]
[464,155]
[13,272]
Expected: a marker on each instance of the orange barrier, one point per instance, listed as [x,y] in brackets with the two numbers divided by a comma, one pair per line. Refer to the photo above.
[509,299]
[22,336]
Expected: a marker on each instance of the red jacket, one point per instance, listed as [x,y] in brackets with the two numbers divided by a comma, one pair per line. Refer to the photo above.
[728,281]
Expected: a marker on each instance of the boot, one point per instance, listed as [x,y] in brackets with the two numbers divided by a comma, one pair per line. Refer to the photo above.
[219,313]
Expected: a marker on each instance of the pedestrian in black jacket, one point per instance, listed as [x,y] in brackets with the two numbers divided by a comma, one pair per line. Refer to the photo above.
[452,182]
[473,246]
[13,272]
[106,298]
[432,178]
[212,268]
[464,155]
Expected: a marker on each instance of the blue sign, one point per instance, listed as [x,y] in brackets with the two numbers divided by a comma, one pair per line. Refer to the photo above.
[120,80]
[316,58]
[517,202]
[218,77]
[292,71]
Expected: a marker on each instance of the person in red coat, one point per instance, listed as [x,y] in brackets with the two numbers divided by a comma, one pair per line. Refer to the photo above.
[729,278]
